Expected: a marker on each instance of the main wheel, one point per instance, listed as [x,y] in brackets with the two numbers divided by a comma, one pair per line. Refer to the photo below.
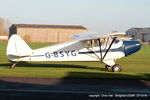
[116,68]
[108,67]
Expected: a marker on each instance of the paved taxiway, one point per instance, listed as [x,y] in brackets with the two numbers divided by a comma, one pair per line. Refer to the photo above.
[22,88]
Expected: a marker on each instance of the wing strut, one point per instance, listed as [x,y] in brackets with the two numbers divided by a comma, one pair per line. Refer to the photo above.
[109,47]
[100,48]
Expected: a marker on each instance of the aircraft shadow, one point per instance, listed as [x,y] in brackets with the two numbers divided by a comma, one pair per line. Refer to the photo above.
[44,65]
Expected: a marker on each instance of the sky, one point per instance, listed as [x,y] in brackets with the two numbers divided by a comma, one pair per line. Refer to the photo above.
[96,15]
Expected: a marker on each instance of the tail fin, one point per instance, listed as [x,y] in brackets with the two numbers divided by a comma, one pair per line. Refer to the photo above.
[17,47]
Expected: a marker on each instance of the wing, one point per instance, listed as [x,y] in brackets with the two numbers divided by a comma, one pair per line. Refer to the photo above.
[87,36]
[94,35]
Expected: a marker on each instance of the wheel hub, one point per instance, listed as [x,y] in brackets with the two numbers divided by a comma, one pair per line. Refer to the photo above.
[116,69]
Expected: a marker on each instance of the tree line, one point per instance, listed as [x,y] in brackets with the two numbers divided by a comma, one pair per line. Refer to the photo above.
[4,26]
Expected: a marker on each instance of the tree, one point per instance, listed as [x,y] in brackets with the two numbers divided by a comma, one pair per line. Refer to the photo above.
[2,26]
[7,26]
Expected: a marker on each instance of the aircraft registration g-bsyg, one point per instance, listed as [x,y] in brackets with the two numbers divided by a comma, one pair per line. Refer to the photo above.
[85,47]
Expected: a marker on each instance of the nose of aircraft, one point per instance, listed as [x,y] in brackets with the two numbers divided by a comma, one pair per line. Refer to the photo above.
[131,47]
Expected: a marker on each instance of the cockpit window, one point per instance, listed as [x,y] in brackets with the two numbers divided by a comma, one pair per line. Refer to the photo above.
[87,44]
[91,43]
[95,42]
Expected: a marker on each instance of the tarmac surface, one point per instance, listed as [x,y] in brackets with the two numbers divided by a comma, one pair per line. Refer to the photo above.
[23,88]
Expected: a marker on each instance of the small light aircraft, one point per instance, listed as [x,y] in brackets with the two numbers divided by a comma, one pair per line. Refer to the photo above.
[89,46]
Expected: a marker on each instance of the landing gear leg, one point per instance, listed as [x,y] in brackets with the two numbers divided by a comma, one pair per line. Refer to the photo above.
[116,68]
[13,66]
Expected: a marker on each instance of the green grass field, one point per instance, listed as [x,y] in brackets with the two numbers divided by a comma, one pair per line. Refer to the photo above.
[133,67]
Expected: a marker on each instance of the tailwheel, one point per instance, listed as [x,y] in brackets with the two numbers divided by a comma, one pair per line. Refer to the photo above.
[116,68]
[109,68]
[13,66]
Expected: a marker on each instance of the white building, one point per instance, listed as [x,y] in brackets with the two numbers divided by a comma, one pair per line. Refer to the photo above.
[142,34]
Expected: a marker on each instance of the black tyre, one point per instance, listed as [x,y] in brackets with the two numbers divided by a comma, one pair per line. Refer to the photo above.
[109,68]
[116,68]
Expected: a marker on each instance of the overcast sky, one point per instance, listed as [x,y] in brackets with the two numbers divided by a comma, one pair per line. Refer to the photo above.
[96,15]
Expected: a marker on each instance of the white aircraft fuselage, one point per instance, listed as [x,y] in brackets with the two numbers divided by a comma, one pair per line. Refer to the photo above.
[74,50]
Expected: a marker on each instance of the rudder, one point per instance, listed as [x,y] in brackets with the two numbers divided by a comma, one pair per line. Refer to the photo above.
[17,47]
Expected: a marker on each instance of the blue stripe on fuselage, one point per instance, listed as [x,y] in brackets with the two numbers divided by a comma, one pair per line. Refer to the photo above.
[36,55]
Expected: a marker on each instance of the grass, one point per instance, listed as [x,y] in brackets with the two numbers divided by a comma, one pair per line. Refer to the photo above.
[134,67]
